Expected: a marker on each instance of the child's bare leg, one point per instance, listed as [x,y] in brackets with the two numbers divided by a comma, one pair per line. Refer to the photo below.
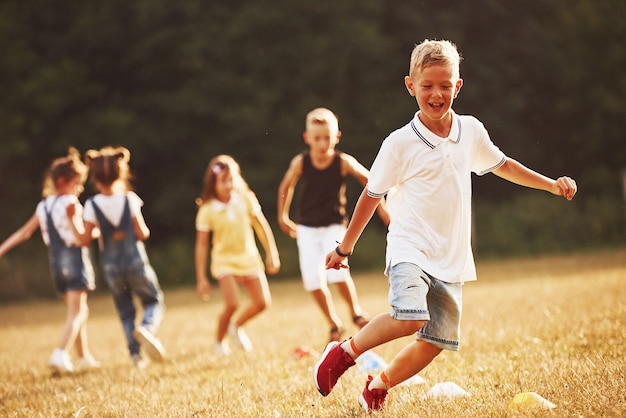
[324,300]
[260,296]
[407,363]
[230,293]
[381,329]
[411,360]
[347,290]
[77,313]
[81,344]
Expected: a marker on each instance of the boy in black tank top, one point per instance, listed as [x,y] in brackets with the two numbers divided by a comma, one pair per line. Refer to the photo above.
[321,215]
[322,193]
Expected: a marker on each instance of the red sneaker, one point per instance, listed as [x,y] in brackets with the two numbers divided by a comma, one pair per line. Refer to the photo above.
[333,363]
[372,400]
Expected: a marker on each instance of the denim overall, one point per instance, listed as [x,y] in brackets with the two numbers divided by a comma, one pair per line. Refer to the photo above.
[70,267]
[128,272]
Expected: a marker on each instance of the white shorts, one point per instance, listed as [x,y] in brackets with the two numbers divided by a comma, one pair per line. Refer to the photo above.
[313,245]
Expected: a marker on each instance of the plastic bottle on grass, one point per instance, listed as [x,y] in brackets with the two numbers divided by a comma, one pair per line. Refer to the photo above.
[370,362]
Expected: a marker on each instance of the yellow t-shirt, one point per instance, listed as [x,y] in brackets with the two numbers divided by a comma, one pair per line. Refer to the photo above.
[233,246]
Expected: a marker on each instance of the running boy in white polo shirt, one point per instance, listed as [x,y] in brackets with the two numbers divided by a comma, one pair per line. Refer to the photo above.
[425,169]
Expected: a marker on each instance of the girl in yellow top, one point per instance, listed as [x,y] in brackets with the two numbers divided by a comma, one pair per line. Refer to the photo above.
[229,215]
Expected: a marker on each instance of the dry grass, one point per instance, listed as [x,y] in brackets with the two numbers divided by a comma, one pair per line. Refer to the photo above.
[555,326]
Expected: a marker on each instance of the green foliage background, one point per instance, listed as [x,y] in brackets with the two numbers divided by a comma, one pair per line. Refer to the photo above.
[178,82]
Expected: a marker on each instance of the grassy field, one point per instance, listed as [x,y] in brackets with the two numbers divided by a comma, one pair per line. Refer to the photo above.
[555,326]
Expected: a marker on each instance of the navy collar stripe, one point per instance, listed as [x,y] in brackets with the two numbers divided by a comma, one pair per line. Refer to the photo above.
[431,146]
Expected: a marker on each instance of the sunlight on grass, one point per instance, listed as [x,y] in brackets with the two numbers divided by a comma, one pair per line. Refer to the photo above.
[552,325]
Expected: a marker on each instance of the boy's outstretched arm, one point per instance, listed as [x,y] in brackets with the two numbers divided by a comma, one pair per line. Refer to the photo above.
[517,173]
[363,211]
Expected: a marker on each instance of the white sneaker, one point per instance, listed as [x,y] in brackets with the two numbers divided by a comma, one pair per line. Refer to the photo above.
[221,348]
[139,362]
[153,347]
[61,361]
[239,336]
[87,362]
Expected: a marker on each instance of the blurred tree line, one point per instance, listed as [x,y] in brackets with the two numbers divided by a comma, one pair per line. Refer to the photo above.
[178,82]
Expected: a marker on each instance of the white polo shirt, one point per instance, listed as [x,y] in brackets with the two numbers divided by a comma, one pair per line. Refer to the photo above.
[427,180]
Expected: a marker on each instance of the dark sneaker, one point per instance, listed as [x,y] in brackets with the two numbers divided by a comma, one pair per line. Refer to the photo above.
[335,334]
[360,321]
[333,363]
[372,400]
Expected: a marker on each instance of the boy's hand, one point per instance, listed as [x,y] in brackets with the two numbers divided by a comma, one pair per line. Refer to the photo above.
[288,227]
[564,186]
[335,261]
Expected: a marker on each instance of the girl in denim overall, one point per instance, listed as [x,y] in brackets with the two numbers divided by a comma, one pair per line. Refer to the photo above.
[59,215]
[117,212]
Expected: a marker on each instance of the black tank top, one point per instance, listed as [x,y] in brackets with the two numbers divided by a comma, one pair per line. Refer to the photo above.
[322,194]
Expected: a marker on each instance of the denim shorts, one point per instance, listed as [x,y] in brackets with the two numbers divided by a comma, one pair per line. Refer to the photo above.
[71,269]
[414,295]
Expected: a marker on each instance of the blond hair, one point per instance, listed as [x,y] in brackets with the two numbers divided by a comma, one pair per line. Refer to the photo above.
[66,168]
[322,116]
[431,52]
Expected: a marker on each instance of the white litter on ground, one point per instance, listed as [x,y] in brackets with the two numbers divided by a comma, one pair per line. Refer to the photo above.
[371,363]
[448,389]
